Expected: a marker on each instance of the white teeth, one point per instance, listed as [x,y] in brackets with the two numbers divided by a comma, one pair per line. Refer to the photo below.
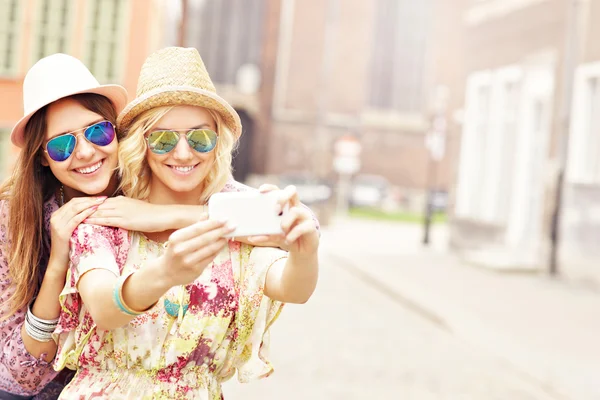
[89,170]
[182,169]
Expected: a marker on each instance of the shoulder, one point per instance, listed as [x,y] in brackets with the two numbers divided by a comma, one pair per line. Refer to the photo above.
[91,238]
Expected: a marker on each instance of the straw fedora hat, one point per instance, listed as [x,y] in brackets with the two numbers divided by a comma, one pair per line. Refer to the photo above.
[177,76]
[55,77]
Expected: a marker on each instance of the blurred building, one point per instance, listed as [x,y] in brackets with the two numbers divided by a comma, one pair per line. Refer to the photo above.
[511,118]
[112,37]
[303,73]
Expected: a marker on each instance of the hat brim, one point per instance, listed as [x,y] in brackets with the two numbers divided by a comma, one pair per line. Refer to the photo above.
[177,96]
[115,93]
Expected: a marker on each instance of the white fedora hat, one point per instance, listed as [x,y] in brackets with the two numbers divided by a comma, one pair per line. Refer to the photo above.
[55,77]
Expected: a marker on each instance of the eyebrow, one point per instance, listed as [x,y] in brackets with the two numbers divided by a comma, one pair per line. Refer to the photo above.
[73,130]
[204,125]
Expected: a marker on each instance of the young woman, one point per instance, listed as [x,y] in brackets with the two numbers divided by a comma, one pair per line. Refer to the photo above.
[170,315]
[64,173]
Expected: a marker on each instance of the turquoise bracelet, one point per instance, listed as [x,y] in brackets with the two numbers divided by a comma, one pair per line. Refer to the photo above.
[118,297]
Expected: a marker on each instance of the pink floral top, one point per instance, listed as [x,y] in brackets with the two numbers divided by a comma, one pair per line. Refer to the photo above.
[20,372]
[157,355]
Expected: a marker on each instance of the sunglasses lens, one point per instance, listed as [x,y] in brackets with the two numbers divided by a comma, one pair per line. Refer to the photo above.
[202,140]
[60,148]
[100,134]
[162,142]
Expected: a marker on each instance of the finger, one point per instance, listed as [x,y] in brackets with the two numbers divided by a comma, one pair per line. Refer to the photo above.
[78,219]
[292,217]
[69,210]
[288,196]
[202,226]
[203,240]
[267,187]
[299,230]
[104,221]
[207,253]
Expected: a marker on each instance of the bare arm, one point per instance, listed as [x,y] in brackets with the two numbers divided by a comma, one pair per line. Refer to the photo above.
[189,252]
[295,279]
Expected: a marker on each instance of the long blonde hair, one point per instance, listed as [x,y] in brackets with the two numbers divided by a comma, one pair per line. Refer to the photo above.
[135,172]
[29,186]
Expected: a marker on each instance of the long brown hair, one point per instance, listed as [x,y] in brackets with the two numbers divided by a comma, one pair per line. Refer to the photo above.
[29,186]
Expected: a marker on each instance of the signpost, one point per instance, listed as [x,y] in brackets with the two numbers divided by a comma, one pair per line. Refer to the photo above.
[346,162]
[435,141]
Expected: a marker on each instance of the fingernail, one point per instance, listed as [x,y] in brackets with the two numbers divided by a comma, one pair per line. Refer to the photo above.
[278,209]
[95,208]
[101,199]
[85,221]
[231,226]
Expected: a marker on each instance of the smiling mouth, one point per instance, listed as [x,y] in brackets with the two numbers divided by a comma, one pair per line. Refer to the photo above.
[91,169]
[183,168]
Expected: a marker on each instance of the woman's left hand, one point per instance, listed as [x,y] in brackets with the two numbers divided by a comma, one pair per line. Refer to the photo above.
[300,234]
[138,215]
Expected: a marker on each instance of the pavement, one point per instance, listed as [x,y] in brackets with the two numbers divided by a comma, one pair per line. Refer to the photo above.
[545,327]
[392,319]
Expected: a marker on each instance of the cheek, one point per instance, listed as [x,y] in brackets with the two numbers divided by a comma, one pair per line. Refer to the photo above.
[59,169]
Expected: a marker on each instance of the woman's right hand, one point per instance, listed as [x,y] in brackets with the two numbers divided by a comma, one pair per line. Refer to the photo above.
[64,221]
[190,250]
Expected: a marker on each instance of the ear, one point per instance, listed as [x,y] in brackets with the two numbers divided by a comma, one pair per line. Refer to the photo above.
[44,160]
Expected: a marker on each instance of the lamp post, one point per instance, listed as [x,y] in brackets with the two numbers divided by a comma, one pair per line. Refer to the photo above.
[576,16]
[435,141]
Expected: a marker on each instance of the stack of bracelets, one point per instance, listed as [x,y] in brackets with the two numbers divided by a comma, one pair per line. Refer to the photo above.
[39,329]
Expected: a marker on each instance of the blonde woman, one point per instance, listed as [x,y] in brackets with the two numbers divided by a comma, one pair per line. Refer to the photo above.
[63,176]
[171,315]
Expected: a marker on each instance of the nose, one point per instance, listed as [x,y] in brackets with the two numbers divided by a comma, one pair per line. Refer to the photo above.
[84,149]
[183,151]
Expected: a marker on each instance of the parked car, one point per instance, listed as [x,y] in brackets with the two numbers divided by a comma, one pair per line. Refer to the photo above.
[314,192]
[369,191]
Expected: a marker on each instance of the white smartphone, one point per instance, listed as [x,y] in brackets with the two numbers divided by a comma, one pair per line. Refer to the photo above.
[253,213]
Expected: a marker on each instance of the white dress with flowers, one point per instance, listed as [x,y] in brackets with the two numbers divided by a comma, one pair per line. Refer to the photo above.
[158,356]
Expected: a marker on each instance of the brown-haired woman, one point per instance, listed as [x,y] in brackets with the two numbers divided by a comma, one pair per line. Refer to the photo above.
[64,174]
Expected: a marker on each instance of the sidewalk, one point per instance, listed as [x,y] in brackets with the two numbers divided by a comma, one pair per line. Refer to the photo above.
[547,329]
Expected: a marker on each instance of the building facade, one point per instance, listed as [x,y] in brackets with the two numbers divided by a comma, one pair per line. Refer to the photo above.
[304,73]
[514,132]
[112,37]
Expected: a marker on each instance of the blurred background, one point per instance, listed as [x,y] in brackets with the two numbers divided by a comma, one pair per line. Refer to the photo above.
[450,148]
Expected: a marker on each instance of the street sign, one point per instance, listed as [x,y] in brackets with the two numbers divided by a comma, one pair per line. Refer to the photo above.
[347,146]
[346,165]
[347,155]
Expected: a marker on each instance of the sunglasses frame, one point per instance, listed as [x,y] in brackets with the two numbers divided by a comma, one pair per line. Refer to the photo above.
[179,132]
[72,133]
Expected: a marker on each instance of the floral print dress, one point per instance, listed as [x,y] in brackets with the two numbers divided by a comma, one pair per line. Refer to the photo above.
[159,356]
[22,374]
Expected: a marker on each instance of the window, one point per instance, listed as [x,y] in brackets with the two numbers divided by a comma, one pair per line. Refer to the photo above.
[5,154]
[10,16]
[53,25]
[104,44]
[488,145]
[584,146]
[228,33]
[398,60]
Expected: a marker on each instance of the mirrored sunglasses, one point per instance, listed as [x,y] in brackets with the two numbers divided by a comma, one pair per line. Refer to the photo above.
[61,147]
[163,141]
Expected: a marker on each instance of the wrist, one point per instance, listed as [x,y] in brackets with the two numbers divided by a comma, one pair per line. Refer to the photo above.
[56,271]
[158,275]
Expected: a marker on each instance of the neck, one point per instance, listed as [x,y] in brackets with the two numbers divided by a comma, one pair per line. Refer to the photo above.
[72,193]
[159,194]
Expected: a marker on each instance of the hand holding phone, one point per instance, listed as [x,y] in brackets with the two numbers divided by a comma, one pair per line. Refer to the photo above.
[252,213]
